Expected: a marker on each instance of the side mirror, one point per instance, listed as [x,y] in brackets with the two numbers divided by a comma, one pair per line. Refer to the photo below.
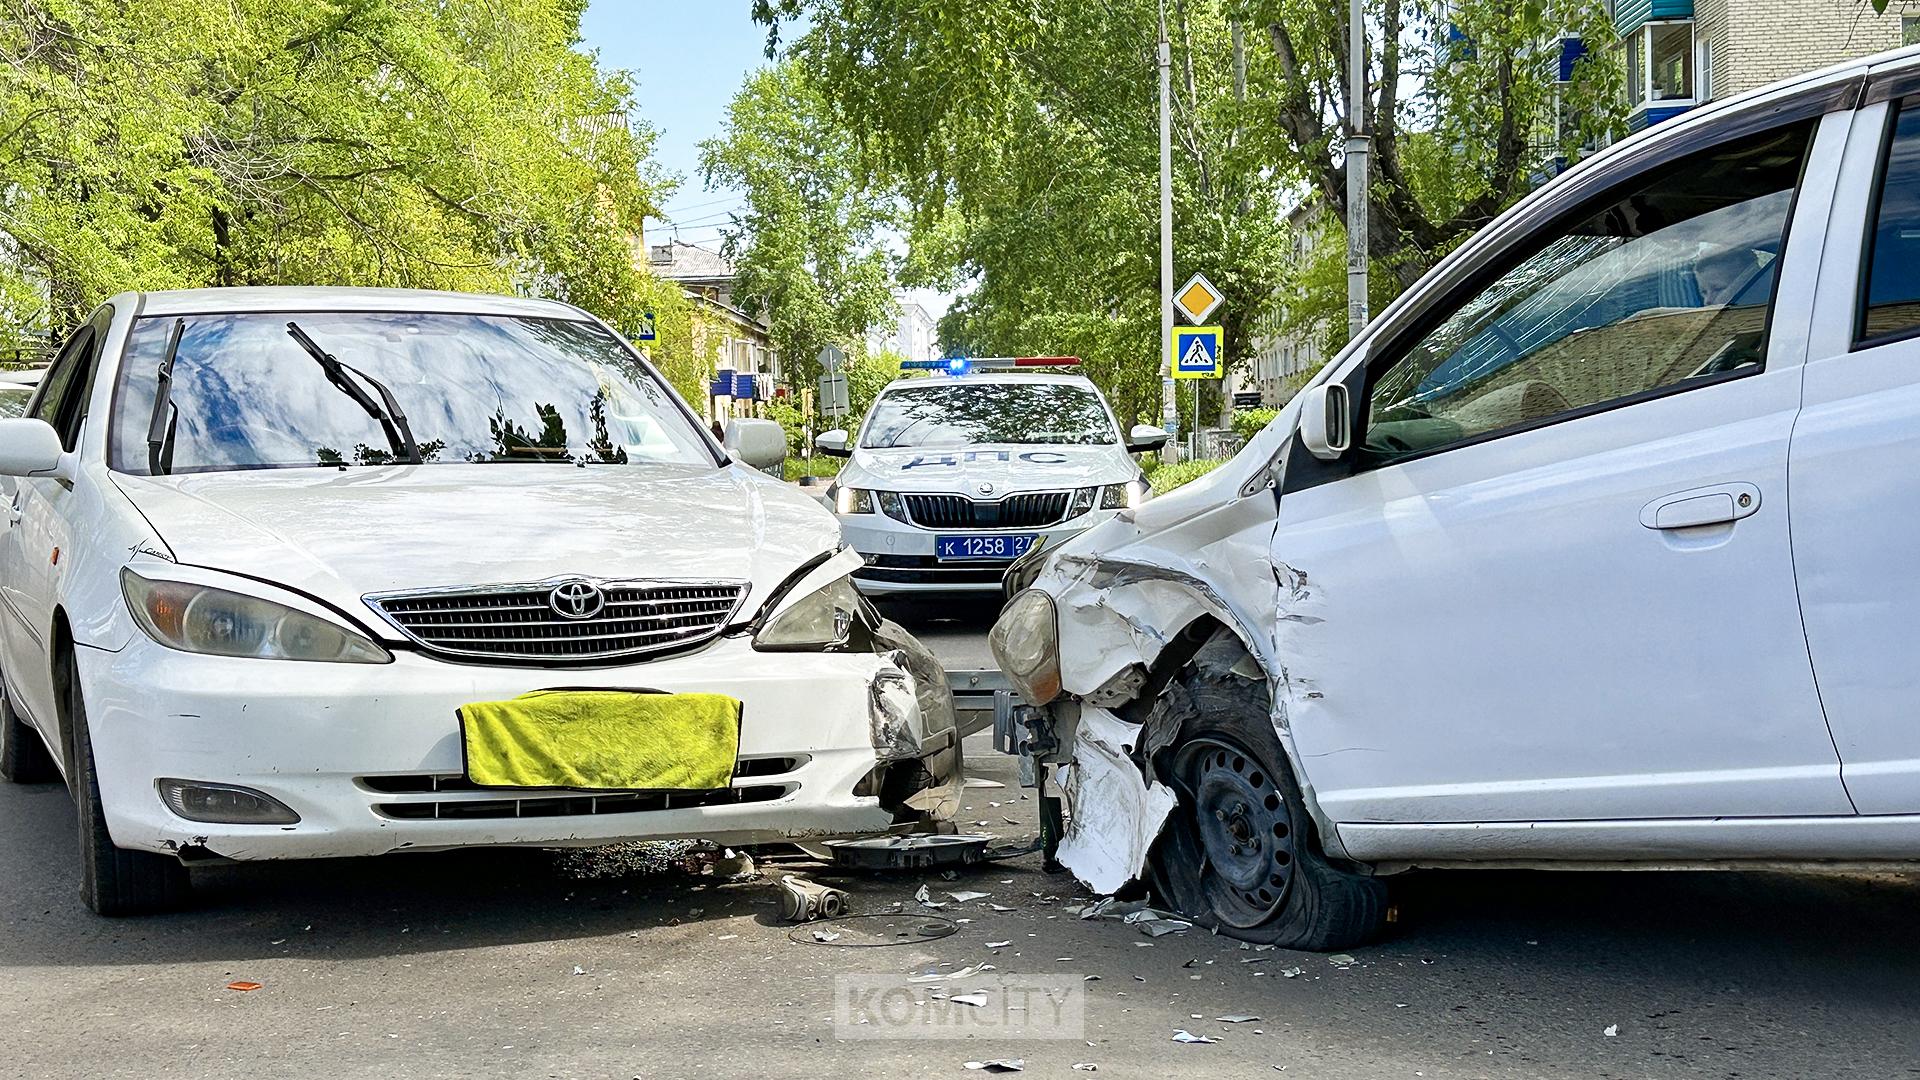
[1145,437]
[1325,425]
[29,447]
[759,443]
[833,443]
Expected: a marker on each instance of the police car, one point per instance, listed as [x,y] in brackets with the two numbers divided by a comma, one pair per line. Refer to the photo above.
[957,473]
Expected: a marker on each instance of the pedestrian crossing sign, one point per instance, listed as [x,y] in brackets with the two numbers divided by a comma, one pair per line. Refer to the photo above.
[1195,352]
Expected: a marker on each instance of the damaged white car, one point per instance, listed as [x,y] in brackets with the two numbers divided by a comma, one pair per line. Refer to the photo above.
[291,573]
[1520,580]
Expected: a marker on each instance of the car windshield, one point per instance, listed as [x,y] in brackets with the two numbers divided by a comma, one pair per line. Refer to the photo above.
[961,413]
[13,399]
[473,388]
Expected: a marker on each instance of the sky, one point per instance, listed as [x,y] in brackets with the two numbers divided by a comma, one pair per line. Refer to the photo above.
[686,60]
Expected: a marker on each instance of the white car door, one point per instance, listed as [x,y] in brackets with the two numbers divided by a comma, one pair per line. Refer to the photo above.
[38,530]
[1856,464]
[1553,581]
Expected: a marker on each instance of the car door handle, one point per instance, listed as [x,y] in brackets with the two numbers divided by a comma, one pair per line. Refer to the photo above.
[1716,505]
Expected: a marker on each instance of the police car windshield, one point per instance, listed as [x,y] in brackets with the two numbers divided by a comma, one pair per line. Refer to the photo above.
[961,413]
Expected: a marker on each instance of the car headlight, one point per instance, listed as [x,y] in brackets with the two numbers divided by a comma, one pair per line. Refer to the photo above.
[823,619]
[848,500]
[203,619]
[1026,645]
[1125,496]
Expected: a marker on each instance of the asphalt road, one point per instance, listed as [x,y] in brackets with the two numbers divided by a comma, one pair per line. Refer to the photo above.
[625,964]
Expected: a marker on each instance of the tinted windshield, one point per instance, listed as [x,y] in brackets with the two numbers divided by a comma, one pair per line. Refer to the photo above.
[475,388]
[960,413]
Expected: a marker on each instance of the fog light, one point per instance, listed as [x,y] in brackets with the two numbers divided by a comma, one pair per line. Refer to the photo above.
[224,804]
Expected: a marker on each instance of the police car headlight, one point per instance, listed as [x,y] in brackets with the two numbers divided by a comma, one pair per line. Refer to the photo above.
[1125,496]
[848,500]
[1026,645]
[822,619]
[891,504]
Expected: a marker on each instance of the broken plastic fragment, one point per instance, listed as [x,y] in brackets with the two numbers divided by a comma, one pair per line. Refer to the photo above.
[1293,972]
[1236,1018]
[243,987]
[1341,960]
[975,1000]
[1185,1036]
[1611,1031]
[1085,1066]
[1000,1065]
[1116,814]
[998,944]
[826,935]
[963,897]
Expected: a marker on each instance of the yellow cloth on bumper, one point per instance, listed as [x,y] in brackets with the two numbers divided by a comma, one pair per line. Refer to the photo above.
[615,740]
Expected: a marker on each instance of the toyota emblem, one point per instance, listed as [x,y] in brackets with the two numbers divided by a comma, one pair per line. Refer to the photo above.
[576,600]
[986,489]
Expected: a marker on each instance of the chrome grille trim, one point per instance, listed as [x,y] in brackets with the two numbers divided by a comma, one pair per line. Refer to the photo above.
[515,623]
[1022,510]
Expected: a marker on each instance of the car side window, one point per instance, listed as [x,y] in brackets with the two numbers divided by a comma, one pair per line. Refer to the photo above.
[1891,305]
[1663,283]
[64,385]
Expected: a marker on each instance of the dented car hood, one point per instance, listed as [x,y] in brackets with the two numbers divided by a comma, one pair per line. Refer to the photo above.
[340,535]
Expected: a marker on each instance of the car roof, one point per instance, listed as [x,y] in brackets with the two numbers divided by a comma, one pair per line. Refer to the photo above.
[996,377]
[324,298]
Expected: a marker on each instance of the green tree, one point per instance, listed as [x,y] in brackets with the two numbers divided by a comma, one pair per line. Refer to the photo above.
[1024,139]
[808,242]
[429,143]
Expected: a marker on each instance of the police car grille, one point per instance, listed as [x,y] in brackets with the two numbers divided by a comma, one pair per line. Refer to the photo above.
[1025,510]
[516,623]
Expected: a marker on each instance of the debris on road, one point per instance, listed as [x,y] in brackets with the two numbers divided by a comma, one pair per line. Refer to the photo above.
[826,935]
[804,901]
[1237,1018]
[243,986]
[998,944]
[1611,1031]
[881,929]
[975,1000]
[1342,960]
[919,852]
[963,897]
[1000,1065]
[578,970]
[1185,1036]
[1292,972]
[1085,1066]
[967,972]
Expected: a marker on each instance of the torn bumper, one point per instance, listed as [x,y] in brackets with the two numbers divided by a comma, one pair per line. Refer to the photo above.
[369,756]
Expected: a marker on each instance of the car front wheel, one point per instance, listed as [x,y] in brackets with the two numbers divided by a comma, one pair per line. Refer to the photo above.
[1240,852]
[114,881]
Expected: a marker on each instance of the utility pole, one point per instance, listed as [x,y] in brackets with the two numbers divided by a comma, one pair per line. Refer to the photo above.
[1169,406]
[1359,145]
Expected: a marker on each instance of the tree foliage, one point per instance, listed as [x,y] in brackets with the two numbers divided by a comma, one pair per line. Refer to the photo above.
[428,143]
[808,243]
[1024,139]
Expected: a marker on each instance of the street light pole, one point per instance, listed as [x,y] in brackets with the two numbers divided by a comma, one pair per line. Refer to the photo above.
[1359,145]
[1169,405]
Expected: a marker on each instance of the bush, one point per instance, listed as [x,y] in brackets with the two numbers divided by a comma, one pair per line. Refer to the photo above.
[1167,477]
[1248,422]
[797,467]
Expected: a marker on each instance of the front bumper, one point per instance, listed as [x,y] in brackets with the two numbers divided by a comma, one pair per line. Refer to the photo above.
[900,556]
[369,756]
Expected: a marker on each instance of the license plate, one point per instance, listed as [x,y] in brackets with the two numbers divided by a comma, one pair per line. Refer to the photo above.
[954,548]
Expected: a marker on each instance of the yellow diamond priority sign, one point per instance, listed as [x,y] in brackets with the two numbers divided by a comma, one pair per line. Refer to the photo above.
[1197,299]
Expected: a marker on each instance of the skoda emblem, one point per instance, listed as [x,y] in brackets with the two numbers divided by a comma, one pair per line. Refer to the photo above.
[986,489]
[577,600]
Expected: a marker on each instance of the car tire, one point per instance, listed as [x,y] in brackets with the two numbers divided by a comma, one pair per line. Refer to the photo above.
[113,881]
[1240,853]
[23,756]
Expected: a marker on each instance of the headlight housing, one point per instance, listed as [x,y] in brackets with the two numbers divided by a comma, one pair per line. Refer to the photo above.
[1125,496]
[848,500]
[823,619]
[203,619]
[1026,645]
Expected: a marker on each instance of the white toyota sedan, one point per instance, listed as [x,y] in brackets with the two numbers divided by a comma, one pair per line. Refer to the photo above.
[273,554]
[955,475]
[1596,548]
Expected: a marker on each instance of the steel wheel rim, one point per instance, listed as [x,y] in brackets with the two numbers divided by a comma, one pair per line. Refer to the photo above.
[1242,829]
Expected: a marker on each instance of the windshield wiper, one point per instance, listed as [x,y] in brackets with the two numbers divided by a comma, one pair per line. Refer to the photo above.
[160,424]
[392,421]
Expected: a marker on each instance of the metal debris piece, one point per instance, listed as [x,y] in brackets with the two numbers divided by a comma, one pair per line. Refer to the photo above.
[1185,1036]
[1000,1065]
[803,901]
[918,852]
